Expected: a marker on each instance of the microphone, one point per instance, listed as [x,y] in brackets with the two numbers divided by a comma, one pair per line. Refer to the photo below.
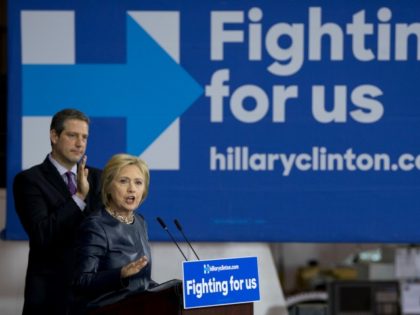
[179,227]
[163,225]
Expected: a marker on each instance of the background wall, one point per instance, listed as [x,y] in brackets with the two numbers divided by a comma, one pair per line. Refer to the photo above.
[3,91]
[287,257]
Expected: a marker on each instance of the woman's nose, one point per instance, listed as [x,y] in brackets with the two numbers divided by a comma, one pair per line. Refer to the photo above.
[131,187]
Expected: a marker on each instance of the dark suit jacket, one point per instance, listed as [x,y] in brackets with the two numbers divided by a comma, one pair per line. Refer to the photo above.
[51,218]
[104,246]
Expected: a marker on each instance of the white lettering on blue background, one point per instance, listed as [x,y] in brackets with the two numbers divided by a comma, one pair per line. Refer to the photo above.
[213,286]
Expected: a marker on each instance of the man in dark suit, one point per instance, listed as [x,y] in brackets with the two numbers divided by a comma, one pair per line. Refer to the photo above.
[51,200]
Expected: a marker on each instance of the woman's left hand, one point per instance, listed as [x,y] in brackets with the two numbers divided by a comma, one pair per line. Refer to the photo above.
[134,267]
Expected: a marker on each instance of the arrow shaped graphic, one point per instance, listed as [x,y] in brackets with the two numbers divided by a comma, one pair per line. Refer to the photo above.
[150,91]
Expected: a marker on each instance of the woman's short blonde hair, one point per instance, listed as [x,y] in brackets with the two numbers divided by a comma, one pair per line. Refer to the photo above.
[113,168]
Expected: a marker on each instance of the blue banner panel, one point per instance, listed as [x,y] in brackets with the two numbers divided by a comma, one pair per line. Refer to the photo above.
[293,120]
[220,281]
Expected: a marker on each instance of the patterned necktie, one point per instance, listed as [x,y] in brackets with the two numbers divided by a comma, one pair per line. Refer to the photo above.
[70,185]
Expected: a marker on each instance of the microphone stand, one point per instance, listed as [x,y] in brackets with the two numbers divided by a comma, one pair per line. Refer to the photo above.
[170,234]
[179,227]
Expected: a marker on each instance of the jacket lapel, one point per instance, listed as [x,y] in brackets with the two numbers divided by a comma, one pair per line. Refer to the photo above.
[53,177]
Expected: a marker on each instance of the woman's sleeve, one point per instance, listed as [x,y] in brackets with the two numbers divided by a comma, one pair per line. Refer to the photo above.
[91,249]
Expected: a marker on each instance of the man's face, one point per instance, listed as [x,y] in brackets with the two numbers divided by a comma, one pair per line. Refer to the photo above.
[69,147]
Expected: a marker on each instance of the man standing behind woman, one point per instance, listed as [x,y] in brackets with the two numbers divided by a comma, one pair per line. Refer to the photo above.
[113,251]
[51,199]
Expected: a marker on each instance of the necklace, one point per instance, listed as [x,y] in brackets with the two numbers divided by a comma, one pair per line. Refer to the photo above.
[123,219]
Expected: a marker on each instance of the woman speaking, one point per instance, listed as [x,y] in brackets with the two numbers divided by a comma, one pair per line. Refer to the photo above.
[113,252]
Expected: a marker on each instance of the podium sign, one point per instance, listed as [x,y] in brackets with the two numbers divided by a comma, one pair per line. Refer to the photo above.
[221,281]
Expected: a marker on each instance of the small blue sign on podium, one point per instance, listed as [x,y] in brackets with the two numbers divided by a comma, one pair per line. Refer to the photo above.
[221,281]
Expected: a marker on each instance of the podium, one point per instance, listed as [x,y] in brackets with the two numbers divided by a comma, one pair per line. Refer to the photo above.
[167,300]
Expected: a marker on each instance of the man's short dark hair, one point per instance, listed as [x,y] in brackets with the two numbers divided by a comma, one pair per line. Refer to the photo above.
[60,117]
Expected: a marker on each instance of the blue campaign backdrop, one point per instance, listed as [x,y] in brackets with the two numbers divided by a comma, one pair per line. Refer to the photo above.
[295,120]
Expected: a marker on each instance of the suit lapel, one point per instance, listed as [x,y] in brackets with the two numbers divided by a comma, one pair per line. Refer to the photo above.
[53,177]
